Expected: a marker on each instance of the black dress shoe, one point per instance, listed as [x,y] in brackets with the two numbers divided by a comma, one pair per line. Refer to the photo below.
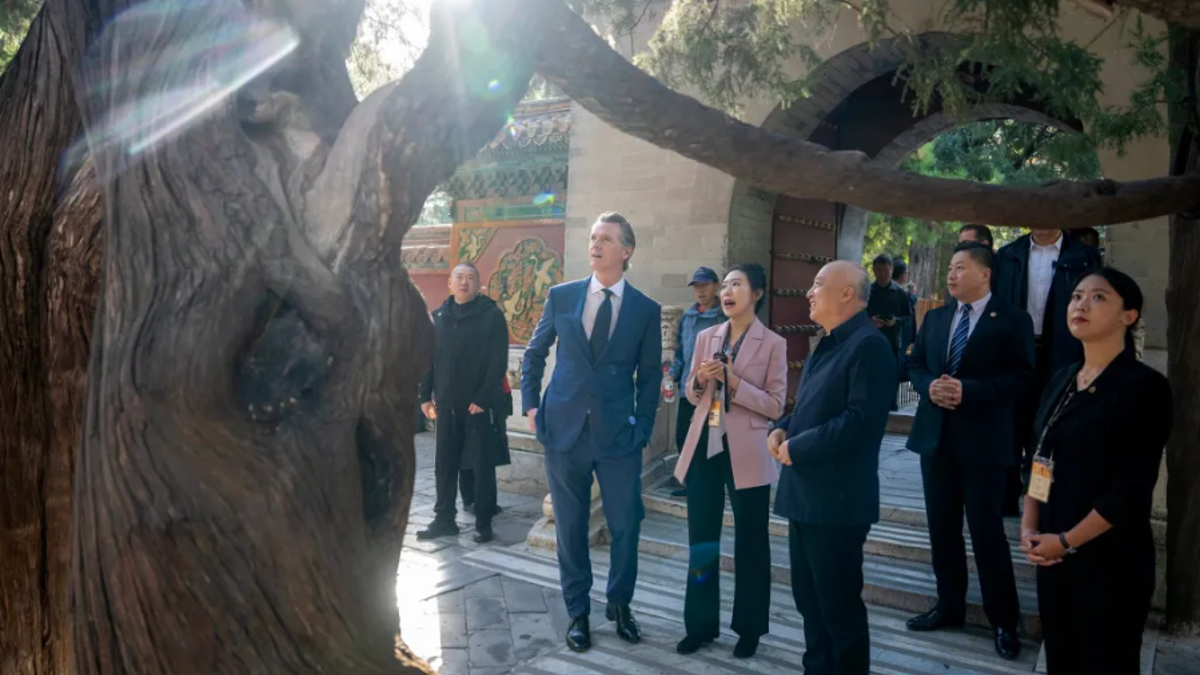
[691,644]
[936,619]
[579,634]
[1007,644]
[483,533]
[438,528]
[627,626]
[680,492]
[746,647]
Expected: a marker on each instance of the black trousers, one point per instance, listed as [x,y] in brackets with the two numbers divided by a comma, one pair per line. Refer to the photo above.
[827,583]
[683,421]
[466,486]
[447,468]
[1026,415]
[1094,610]
[707,481]
[949,488]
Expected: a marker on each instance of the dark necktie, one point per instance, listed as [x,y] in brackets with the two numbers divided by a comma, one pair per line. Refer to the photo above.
[959,344]
[602,326]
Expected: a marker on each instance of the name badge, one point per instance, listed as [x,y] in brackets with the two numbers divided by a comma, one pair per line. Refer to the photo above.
[1040,479]
[714,412]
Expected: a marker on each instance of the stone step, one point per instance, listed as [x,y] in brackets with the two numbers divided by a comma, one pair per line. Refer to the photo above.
[889,581]
[658,604]
[887,538]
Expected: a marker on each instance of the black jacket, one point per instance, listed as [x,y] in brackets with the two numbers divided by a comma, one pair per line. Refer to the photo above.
[1011,284]
[470,362]
[1106,448]
[996,371]
[836,428]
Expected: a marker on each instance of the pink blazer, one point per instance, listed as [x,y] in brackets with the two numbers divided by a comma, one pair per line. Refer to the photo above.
[762,365]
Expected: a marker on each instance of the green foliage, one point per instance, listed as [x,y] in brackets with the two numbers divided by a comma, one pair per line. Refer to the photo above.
[1005,50]
[996,151]
[15,18]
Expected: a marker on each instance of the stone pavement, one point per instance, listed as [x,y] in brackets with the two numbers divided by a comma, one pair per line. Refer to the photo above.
[462,619]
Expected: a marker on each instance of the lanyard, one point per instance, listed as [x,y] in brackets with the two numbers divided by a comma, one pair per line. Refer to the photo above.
[1063,402]
[732,353]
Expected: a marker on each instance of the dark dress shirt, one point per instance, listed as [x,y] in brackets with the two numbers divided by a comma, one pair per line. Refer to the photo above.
[836,428]
[1106,448]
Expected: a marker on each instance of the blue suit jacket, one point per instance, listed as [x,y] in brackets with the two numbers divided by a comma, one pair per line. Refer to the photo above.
[620,390]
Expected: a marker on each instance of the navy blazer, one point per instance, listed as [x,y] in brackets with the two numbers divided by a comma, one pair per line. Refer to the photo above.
[836,428]
[1010,282]
[620,390]
[996,373]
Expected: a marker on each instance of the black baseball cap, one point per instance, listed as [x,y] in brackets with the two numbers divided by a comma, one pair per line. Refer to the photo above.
[704,275]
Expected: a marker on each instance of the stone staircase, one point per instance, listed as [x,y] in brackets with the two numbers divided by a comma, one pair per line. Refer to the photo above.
[897,560]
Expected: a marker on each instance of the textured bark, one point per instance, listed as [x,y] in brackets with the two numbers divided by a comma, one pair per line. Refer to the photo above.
[37,113]
[247,466]
[925,267]
[1183,341]
[602,81]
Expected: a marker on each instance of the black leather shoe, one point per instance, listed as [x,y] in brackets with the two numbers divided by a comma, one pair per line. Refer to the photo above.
[627,626]
[1007,644]
[579,634]
[680,492]
[746,647]
[483,533]
[936,619]
[691,644]
[438,528]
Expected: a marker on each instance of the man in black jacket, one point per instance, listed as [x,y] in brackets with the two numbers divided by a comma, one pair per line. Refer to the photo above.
[971,362]
[829,486]
[1038,272]
[463,391]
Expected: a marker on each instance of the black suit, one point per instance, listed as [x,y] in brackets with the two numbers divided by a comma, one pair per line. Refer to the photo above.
[965,452]
[1057,348]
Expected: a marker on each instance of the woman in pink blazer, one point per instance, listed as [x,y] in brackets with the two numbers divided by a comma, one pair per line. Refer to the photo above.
[738,385]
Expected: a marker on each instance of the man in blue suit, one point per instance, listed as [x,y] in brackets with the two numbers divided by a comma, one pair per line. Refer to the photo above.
[596,416]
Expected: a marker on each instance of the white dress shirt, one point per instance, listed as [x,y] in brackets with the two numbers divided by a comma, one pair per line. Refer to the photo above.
[595,298]
[977,309]
[1041,276]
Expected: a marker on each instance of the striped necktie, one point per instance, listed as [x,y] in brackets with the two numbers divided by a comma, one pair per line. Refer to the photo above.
[959,344]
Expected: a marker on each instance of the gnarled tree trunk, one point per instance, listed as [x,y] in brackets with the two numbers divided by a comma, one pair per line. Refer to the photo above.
[1183,342]
[46,306]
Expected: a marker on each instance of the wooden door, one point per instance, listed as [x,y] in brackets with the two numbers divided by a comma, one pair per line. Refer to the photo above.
[803,239]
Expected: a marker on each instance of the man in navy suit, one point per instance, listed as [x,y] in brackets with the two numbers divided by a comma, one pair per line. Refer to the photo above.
[971,362]
[829,486]
[596,416]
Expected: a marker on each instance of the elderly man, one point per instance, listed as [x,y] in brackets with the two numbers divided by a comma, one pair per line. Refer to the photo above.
[829,488]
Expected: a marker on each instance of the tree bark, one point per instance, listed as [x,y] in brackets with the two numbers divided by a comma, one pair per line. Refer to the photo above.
[1183,341]
[924,263]
[37,252]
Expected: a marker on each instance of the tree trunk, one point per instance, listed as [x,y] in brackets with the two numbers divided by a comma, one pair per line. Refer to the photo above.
[1183,341]
[924,266]
[39,412]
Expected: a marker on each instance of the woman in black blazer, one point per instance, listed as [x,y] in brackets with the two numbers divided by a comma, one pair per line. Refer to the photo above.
[1099,435]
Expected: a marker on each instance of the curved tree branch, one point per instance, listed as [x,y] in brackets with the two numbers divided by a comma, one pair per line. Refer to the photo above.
[591,73]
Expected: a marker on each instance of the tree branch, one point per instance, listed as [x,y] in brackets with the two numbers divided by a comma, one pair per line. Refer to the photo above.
[587,70]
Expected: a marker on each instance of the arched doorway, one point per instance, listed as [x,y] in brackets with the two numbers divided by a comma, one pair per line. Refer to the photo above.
[856,105]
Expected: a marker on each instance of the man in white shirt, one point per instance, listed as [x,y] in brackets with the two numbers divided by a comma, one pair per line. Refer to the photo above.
[595,417]
[1038,273]
[971,363]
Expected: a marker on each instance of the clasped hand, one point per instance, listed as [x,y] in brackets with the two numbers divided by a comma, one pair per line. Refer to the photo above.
[778,447]
[946,392]
[1042,549]
[710,370]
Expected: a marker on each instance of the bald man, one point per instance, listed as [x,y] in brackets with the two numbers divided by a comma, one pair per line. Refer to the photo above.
[829,487]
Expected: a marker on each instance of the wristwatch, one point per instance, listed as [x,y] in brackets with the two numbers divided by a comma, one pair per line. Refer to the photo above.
[1067,548]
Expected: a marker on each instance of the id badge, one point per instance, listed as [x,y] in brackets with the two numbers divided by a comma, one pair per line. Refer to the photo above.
[1040,478]
[714,413]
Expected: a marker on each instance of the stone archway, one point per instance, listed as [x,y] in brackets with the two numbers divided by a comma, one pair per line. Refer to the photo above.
[855,105]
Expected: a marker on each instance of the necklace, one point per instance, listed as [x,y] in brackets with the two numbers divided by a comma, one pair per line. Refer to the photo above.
[1083,379]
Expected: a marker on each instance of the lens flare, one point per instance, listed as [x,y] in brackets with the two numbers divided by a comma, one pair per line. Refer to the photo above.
[149,85]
